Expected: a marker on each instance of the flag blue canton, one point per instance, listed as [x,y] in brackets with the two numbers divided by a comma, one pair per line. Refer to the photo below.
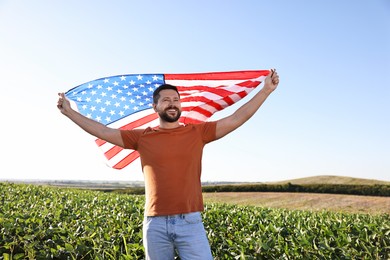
[109,99]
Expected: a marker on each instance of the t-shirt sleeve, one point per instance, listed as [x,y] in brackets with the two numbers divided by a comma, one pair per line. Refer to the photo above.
[209,131]
[130,138]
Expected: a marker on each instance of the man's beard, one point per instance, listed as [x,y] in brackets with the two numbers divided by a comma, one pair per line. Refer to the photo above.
[167,118]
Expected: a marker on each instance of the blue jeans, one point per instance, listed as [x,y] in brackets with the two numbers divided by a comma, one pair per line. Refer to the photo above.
[184,233]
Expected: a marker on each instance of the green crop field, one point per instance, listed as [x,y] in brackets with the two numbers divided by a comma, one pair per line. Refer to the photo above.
[38,222]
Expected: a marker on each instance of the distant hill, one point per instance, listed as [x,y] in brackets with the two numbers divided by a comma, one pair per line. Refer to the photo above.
[315,184]
[332,179]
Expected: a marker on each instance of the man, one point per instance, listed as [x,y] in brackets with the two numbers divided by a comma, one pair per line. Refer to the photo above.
[171,156]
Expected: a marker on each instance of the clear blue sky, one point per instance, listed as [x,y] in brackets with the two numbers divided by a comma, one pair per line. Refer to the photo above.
[329,116]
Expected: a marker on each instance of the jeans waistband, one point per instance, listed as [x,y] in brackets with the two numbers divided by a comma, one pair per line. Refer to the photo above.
[180,216]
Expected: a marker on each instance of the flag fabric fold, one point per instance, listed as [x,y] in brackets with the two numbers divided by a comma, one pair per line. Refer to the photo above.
[125,101]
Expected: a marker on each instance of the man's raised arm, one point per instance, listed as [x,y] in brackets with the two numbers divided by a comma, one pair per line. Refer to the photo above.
[90,126]
[246,111]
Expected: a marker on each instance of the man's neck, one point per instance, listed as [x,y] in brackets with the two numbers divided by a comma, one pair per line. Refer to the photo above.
[169,125]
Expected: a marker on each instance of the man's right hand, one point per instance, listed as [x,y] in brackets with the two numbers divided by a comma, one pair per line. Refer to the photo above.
[63,103]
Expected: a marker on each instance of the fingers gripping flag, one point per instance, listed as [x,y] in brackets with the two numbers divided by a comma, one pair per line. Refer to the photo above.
[125,101]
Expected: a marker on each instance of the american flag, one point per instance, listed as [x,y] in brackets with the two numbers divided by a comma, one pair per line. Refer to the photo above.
[125,101]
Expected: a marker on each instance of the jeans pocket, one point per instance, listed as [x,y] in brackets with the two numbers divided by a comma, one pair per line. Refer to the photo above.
[193,218]
[147,220]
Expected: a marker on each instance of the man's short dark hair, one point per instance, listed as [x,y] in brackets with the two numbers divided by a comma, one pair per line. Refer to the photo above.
[156,93]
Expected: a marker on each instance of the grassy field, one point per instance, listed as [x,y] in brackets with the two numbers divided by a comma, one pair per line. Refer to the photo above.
[310,201]
[304,201]
[42,222]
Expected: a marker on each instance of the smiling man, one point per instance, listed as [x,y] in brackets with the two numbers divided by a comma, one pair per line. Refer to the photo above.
[171,159]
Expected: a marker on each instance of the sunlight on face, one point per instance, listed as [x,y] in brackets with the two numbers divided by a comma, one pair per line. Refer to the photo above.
[168,106]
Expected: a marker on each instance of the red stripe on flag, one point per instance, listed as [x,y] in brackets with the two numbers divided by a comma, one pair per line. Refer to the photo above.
[242,94]
[142,121]
[215,105]
[112,152]
[199,110]
[249,84]
[137,123]
[228,100]
[199,89]
[126,161]
[204,100]
[230,75]
[100,142]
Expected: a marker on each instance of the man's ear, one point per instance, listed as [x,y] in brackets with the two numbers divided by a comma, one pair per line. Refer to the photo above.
[154,107]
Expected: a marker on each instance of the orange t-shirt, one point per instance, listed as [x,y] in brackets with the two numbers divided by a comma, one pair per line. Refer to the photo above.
[171,161]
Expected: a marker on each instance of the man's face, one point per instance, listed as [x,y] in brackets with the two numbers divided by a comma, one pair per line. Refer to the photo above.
[168,106]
